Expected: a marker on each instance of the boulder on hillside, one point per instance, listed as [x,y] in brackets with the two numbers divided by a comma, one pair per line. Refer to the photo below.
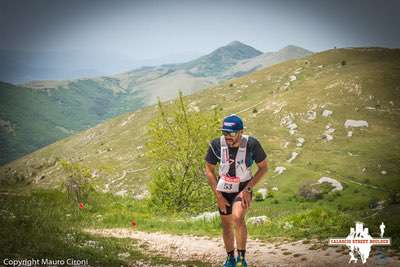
[355,123]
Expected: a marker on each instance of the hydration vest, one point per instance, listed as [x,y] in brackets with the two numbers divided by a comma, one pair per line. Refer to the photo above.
[242,171]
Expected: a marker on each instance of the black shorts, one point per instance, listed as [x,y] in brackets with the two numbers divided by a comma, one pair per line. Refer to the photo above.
[232,197]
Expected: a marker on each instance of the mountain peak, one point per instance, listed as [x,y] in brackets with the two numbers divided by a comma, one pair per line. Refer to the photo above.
[220,59]
[236,50]
[236,43]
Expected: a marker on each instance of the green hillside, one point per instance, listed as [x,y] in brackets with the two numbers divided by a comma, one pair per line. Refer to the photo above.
[365,87]
[42,112]
[246,66]
[343,84]
[32,119]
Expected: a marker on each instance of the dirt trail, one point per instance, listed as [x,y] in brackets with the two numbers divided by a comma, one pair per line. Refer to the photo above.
[258,253]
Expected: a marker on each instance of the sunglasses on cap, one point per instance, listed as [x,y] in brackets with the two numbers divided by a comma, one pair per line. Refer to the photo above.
[231,134]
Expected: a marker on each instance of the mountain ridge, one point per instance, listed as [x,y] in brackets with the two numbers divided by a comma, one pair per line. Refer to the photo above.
[270,101]
[78,104]
[232,45]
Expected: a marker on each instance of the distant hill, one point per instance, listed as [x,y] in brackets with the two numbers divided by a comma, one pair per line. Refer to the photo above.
[264,60]
[166,80]
[30,119]
[42,112]
[296,109]
[215,63]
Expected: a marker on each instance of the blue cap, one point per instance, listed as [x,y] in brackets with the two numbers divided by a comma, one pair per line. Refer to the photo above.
[232,123]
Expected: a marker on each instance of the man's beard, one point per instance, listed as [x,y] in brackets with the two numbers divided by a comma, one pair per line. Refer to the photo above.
[231,143]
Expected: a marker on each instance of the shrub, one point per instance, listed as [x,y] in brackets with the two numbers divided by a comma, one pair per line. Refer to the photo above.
[79,182]
[307,191]
[258,196]
[394,197]
[337,193]
[175,149]
[330,197]
[320,222]
[325,188]
[373,203]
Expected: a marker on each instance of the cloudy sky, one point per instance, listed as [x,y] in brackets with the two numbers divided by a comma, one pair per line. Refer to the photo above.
[180,30]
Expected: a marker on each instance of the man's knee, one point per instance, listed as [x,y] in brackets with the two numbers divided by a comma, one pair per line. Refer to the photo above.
[238,221]
[226,222]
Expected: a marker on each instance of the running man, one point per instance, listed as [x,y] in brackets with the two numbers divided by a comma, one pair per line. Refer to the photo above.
[236,153]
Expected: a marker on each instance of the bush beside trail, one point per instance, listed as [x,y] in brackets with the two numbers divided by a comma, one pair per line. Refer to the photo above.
[176,147]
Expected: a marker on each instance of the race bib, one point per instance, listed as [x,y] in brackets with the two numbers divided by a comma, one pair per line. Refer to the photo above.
[228,184]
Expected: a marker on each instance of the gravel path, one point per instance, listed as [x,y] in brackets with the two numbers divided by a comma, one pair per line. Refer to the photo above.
[259,253]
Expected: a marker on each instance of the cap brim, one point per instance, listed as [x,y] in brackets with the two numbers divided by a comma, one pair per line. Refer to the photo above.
[229,130]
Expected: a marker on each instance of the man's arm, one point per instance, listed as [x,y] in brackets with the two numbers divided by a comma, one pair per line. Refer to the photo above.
[262,169]
[212,181]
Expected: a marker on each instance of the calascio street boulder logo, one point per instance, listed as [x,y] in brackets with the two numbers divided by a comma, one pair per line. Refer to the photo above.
[359,242]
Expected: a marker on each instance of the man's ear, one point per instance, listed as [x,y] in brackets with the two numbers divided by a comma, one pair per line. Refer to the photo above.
[240,133]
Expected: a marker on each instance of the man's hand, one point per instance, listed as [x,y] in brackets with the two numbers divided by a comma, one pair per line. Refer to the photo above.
[246,199]
[212,180]
[245,195]
[221,202]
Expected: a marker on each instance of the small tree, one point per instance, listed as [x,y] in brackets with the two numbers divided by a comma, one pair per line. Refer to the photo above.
[175,149]
[79,182]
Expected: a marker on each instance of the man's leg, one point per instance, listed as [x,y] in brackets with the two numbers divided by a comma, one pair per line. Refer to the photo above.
[227,232]
[238,216]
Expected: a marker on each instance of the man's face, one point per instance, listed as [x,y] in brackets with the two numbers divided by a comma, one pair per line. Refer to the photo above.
[233,141]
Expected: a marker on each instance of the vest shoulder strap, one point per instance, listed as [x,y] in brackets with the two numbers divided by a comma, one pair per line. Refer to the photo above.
[223,142]
[243,142]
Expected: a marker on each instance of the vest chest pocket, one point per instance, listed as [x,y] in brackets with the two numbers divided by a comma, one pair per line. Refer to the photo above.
[228,184]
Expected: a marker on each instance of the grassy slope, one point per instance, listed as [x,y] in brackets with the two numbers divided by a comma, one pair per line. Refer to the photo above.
[36,115]
[345,90]
[375,72]
[265,60]
[56,109]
